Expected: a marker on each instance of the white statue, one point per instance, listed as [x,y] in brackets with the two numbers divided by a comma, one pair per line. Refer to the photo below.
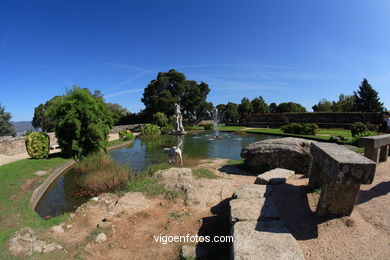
[178,128]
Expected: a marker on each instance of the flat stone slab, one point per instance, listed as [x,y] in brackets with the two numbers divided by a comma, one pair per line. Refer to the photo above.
[342,165]
[40,173]
[253,210]
[274,177]
[374,141]
[251,191]
[264,240]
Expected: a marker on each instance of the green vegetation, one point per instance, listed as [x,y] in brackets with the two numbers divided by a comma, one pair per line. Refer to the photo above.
[300,129]
[83,123]
[99,173]
[17,182]
[42,117]
[208,127]
[160,119]
[150,187]
[172,87]
[6,128]
[38,145]
[126,135]
[204,173]
[150,129]
[358,128]
[118,113]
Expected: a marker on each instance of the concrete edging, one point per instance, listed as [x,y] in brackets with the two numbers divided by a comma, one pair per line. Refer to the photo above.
[38,192]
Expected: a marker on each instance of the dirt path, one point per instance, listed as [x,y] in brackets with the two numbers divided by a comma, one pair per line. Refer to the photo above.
[363,235]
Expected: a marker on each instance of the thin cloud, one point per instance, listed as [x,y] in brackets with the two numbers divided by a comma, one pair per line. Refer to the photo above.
[124,92]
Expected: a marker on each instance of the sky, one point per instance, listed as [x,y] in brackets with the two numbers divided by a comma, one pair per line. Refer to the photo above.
[299,51]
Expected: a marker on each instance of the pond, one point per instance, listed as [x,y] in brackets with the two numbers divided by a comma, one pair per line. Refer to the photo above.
[65,196]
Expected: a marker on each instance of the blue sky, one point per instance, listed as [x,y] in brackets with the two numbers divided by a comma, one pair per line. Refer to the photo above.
[298,51]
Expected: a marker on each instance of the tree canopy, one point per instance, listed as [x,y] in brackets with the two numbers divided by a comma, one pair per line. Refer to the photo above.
[118,112]
[42,119]
[83,123]
[245,108]
[172,87]
[6,128]
[259,105]
[290,107]
[367,99]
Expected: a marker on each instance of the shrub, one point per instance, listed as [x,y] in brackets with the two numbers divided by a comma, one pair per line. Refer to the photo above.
[38,145]
[150,129]
[83,123]
[355,139]
[358,128]
[126,135]
[160,119]
[166,129]
[208,127]
[99,173]
[299,129]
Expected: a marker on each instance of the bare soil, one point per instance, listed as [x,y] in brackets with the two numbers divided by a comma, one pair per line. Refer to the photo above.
[363,235]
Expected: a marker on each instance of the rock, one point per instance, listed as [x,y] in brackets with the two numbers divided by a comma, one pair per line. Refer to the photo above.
[25,242]
[104,225]
[193,252]
[100,238]
[69,226]
[40,173]
[253,210]
[58,229]
[179,179]
[251,191]
[275,176]
[264,240]
[289,153]
[130,203]
[95,199]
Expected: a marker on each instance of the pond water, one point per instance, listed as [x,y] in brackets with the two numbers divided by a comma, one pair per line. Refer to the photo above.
[65,196]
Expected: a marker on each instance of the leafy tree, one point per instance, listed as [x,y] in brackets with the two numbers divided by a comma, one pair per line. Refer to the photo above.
[367,99]
[42,119]
[118,112]
[229,112]
[346,103]
[273,108]
[290,107]
[6,128]
[245,108]
[160,119]
[172,87]
[259,105]
[323,106]
[83,123]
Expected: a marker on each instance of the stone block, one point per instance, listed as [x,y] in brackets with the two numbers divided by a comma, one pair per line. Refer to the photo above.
[342,165]
[376,141]
[253,210]
[275,176]
[384,153]
[316,176]
[264,240]
[251,191]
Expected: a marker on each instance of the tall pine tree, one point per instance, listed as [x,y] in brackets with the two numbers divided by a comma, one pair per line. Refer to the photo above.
[367,99]
[6,128]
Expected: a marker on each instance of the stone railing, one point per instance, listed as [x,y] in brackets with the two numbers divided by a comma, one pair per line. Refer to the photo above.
[376,147]
[339,172]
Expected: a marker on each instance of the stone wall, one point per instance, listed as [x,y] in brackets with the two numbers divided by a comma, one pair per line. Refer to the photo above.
[323,120]
[14,145]
[133,128]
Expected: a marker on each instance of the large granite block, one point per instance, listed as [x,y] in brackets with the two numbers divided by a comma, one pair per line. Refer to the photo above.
[251,191]
[253,210]
[274,177]
[264,240]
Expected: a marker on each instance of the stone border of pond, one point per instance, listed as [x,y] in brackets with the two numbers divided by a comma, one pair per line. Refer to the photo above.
[41,190]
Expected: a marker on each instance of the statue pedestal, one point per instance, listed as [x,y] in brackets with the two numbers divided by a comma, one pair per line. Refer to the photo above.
[178,133]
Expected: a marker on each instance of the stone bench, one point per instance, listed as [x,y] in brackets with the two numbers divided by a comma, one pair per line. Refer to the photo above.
[376,147]
[339,172]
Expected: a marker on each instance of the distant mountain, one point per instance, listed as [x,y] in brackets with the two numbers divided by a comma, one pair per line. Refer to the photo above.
[22,126]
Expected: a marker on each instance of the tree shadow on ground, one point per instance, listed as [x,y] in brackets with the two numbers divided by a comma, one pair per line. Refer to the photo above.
[378,190]
[217,225]
[236,169]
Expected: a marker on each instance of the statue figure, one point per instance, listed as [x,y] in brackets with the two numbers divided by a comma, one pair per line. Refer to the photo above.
[178,128]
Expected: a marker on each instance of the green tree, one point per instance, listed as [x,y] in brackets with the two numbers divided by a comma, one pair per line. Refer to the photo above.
[367,99]
[323,106]
[273,108]
[172,87]
[83,123]
[160,119]
[42,119]
[290,107]
[245,108]
[6,128]
[118,112]
[259,105]
[346,103]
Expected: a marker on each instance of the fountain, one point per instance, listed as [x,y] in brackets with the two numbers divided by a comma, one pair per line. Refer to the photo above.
[216,120]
